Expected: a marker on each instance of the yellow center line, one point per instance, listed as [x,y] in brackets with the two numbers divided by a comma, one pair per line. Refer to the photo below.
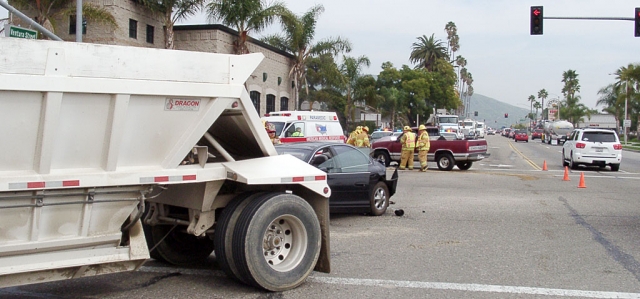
[533,164]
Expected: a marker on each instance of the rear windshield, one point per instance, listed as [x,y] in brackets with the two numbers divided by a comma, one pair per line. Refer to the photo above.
[538,131]
[599,136]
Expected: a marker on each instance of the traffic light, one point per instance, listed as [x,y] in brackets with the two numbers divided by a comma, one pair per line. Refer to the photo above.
[536,20]
[506,115]
[475,113]
[637,22]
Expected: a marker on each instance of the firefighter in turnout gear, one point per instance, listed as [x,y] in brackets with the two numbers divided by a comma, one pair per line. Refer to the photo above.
[423,145]
[362,139]
[352,137]
[271,129]
[408,141]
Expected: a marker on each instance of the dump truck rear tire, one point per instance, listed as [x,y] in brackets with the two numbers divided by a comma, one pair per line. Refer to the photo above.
[179,247]
[276,242]
[223,236]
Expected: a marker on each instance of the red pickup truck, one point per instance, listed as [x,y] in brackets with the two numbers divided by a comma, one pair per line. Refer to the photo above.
[446,153]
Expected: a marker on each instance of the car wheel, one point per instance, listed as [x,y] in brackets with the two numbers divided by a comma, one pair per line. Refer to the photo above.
[615,167]
[572,164]
[464,165]
[276,242]
[383,157]
[379,199]
[564,161]
[445,161]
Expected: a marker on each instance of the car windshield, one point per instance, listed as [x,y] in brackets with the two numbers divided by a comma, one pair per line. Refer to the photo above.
[448,120]
[599,136]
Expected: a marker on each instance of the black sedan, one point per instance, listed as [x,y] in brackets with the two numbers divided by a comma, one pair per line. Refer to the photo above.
[358,183]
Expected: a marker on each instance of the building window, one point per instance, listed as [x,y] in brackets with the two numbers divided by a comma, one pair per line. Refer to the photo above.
[255,98]
[271,103]
[72,25]
[284,104]
[150,31]
[133,28]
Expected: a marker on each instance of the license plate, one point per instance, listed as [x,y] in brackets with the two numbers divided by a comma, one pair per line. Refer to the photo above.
[598,150]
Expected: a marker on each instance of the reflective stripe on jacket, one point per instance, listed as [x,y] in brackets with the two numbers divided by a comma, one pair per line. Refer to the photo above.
[423,141]
[408,141]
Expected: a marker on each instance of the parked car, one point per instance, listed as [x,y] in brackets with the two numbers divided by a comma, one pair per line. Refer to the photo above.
[537,133]
[520,135]
[358,183]
[379,134]
[592,147]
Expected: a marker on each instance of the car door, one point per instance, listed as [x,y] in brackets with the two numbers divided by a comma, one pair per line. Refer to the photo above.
[568,145]
[349,177]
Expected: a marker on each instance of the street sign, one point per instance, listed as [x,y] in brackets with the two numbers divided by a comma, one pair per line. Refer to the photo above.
[19,32]
[627,123]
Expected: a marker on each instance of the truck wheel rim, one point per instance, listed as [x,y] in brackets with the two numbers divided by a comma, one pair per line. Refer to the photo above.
[285,243]
[379,198]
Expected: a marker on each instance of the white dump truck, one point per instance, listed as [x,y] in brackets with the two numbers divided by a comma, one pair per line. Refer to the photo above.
[98,139]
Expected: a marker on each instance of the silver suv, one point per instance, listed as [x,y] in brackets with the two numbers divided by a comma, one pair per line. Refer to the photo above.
[592,147]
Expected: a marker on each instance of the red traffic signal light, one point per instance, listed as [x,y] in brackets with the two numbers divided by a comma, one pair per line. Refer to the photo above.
[536,20]
[506,115]
[637,23]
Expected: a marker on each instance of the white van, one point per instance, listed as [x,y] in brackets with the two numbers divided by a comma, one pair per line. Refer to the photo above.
[312,125]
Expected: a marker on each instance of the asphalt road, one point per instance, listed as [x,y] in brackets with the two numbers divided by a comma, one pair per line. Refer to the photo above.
[503,229]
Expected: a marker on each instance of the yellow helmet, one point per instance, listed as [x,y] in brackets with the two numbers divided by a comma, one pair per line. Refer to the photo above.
[365,128]
[422,127]
[358,128]
[406,128]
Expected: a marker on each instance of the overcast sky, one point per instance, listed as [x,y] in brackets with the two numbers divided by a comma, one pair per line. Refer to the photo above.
[506,62]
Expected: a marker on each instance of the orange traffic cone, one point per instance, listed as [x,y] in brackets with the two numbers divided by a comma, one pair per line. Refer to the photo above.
[581,184]
[544,165]
[566,174]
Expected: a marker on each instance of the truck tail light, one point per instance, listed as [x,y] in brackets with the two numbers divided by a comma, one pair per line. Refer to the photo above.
[617,146]
[580,145]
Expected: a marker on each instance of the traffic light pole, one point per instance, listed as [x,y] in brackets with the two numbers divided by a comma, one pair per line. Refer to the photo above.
[589,18]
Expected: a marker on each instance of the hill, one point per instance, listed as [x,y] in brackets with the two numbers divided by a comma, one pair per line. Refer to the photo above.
[492,111]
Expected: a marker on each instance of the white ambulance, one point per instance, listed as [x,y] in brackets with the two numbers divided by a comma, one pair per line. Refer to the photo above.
[298,126]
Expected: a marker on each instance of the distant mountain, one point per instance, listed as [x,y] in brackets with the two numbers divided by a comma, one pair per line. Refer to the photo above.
[492,111]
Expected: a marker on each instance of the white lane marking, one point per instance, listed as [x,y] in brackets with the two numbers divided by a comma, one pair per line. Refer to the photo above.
[469,287]
[472,287]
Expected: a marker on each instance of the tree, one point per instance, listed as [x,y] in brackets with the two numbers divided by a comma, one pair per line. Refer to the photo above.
[297,39]
[613,101]
[531,100]
[537,105]
[245,16]
[542,94]
[573,110]
[171,12]
[47,11]
[453,41]
[351,71]
[628,81]
[426,51]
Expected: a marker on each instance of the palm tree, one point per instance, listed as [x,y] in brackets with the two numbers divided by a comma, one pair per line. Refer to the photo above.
[245,16]
[48,11]
[297,39]
[542,94]
[571,87]
[628,78]
[426,51]
[532,99]
[612,100]
[173,11]
[451,30]
[537,105]
[350,71]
